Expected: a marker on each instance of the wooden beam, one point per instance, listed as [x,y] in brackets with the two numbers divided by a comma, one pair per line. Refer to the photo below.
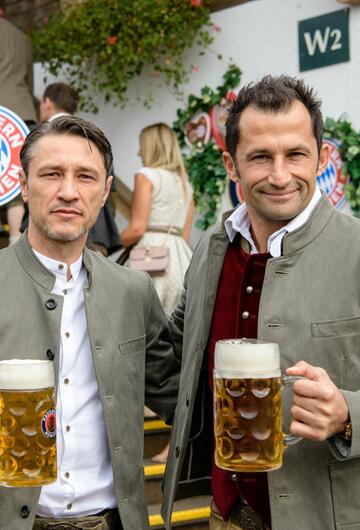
[217,5]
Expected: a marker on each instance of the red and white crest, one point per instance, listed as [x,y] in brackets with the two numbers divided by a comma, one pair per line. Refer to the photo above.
[13,132]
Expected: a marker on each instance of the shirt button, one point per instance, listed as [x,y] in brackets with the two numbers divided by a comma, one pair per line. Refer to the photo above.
[69,506]
[61,267]
[245,315]
[67,475]
[233,477]
[67,429]
[65,291]
[66,381]
[249,289]
[67,334]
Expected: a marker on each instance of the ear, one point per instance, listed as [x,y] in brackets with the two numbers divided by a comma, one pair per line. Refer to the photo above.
[23,186]
[107,189]
[230,167]
[323,158]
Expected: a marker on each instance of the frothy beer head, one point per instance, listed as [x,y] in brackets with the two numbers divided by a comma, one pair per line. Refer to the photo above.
[26,374]
[246,358]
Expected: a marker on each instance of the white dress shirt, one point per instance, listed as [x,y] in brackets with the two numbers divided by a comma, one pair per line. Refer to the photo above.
[85,480]
[239,222]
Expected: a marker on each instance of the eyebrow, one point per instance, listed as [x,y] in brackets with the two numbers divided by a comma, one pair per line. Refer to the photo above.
[262,151]
[84,169]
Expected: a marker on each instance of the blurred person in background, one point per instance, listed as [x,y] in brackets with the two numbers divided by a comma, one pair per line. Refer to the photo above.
[162,208]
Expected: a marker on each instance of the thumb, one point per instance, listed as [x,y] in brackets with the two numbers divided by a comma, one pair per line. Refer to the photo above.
[306,370]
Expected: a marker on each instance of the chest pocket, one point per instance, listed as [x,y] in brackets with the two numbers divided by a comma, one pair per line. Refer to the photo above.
[337,347]
[333,328]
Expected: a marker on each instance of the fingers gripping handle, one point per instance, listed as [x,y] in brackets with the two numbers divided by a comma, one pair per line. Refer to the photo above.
[290,439]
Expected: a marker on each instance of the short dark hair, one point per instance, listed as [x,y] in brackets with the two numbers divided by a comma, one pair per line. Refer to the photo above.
[63,96]
[273,94]
[67,125]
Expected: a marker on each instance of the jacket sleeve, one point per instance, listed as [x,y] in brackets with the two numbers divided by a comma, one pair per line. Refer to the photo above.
[162,367]
[343,450]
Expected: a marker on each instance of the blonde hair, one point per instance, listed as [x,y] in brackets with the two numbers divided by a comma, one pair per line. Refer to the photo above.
[159,147]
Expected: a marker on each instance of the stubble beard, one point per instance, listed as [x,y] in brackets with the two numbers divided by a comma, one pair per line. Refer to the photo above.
[55,235]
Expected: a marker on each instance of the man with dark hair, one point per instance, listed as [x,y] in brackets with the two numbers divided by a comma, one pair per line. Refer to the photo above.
[283,267]
[101,324]
[58,99]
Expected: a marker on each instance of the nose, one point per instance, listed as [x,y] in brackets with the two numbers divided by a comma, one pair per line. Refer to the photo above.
[68,190]
[280,175]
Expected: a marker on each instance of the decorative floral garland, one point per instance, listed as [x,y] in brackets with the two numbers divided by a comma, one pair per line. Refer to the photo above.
[200,134]
[101,45]
[202,142]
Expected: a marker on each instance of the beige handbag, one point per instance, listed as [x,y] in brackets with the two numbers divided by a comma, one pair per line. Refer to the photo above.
[154,260]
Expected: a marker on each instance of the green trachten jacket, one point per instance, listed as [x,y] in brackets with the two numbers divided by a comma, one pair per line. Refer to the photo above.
[310,305]
[131,352]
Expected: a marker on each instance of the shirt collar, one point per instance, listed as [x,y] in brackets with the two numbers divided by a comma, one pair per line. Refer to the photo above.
[59,268]
[239,222]
[57,115]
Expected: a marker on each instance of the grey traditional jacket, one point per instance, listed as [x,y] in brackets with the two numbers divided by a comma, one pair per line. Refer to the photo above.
[130,346]
[310,305]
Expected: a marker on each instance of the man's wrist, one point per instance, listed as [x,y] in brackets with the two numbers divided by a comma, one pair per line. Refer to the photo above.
[346,431]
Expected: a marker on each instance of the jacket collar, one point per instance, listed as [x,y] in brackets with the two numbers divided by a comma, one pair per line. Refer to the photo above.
[299,238]
[309,231]
[36,270]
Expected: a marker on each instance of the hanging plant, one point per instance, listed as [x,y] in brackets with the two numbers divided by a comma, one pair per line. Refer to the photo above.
[200,131]
[101,45]
[349,147]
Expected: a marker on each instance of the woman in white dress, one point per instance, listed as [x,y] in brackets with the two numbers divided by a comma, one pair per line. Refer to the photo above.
[162,208]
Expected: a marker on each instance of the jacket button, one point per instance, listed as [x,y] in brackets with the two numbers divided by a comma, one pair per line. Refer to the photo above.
[51,304]
[25,511]
[187,400]
[50,355]
[233,477]
[177,451]
[245,315]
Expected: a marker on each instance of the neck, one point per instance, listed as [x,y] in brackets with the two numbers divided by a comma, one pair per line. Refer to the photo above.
[262,230]
[65,251]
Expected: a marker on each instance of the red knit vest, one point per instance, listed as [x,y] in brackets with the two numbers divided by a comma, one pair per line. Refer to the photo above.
[235,316]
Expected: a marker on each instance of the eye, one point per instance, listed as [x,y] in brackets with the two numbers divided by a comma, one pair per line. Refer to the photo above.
[296,154]
[260,158]
[85,176]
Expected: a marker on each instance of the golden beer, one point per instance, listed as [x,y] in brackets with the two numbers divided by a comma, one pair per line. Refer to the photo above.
[247,406]
[27,423]
[248,426]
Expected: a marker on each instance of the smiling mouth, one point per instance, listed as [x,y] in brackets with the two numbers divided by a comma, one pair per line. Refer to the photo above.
[279,194]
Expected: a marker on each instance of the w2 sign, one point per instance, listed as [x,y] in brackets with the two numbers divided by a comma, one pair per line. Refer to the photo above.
[324,40]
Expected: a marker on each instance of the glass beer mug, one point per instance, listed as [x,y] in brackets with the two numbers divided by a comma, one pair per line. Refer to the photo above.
[247,406]
[27,423]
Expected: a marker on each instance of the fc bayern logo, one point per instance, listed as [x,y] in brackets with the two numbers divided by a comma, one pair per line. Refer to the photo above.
[332,181]
[13,132]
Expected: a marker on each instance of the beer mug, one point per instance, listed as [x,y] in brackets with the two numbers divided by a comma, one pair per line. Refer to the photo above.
[27,423]
[247,406]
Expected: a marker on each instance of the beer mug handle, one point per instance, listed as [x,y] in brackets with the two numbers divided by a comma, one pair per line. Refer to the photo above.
[290,439]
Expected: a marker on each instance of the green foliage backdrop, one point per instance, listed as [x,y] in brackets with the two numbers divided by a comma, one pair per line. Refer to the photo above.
[100,45]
